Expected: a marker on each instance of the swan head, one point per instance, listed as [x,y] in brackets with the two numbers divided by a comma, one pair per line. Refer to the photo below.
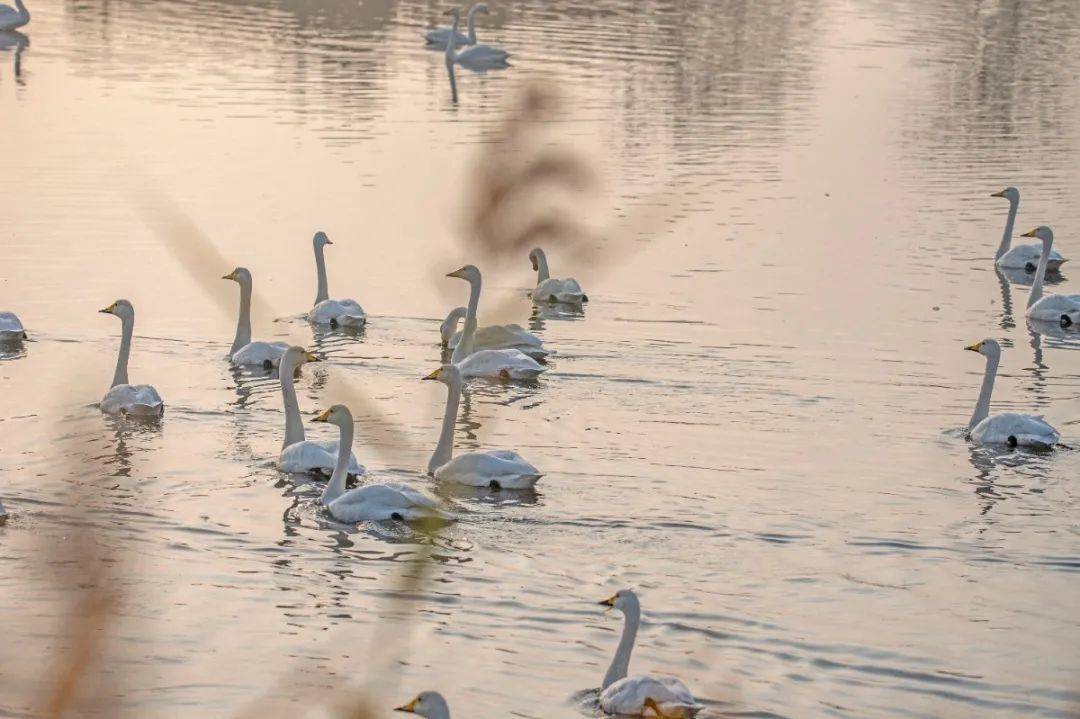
[469,273]
[1009,193]
[625,600]
[1042,232]
[338,415]
[535,255]
[448,374]
[987,348]
[120,308]
[240,274]
[321,240]
[449,325]
[426,704]
[294,357]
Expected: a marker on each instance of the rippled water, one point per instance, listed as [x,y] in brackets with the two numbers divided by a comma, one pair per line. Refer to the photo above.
[757,422]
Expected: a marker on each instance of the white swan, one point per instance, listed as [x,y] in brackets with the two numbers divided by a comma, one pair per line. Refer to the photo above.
[1011,428]
[372,502]
[14,17]
[549,289]
[1020,257]
[497,469]
[501,363]
[440,36]
[298,454]
[1064,309]
[140,400]
[243,350]
[620,694]
[492,337]
[477,57]
[429,705]
[11,328]
[337,313]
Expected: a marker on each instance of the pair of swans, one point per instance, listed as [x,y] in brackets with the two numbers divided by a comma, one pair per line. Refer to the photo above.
[620,694]
[1063,309]
[123,398]
[1015,429]
[551,289]
[440,36]
[12,18]
[477,57]
[1021,257]
[11,328]
[492,337]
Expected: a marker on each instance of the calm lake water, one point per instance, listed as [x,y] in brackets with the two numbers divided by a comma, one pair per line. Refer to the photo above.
[757,423]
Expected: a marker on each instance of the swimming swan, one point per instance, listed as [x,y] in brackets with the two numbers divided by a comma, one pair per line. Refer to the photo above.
[1011,428]
[429,705]
[336,313]
[492,337]
[620,694]
[372,502]
[549,289]
[496,363]
[11,329]
[497,469]
[478,57]
[298,454]
[1022,256]
[1064,309]
[440,36]
[243,350]
[14,17]
[140,400]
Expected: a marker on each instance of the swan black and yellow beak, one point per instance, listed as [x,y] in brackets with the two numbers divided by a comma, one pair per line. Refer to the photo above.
[609,602]
[457,273]
[434,375]
[109,310]
[1029,233]
[975,347]
[410,707]
[310,357]
[230,276]
[998,194]
[324,417]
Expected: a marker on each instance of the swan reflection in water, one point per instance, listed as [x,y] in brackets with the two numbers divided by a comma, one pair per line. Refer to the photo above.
[14,40]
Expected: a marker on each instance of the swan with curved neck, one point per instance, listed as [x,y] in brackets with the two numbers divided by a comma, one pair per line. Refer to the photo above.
[550,289]
[1021,256]
[495,469]
[440,36]
[140,400]
[11,328]
[1009,428]
[14,17]
[336,313]
[494,363]
[1063,309]
[243,351]
[372,502]
[632,695]
[492,337]
[430,705]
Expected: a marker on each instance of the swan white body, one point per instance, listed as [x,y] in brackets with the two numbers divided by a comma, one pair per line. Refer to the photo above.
[243,350]
[429,705]
[14,17]
[1022,256]
[1012,428]
[1064,309]
[11,328]
[630,695]
[500,363]
[550,289]
[372,502]
[139,400]
[300,455]
[440,36]
[496,469]
[337,313]
[512,336]
[477,57]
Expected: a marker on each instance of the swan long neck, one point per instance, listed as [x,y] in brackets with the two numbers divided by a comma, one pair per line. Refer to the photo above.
[541,268]
[472,24]
[444,451]
[982,407]
[21,7]
[127,328]
[243,321]
[620,663]
[465,346]
[1006,238]
[294,427]
[323,293]
[452,40]
[1040,272]
[336,486]
[449,325]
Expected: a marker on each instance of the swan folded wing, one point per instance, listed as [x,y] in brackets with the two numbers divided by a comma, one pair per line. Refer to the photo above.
[439,36]
[556,290]
[1026,430]
[499,337]
[1021,256]
[482,54]
[379,502]
[10,326]
[311,456]
[628,695]
[503,363]
[346,313]
[507,468]
[137,399]
[259,353]
[1051,307]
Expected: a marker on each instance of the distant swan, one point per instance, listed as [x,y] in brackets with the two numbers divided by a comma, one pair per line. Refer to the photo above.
[337,313]
[549,289]
[1063,309]
[492,337]
[14,17]
[11,328]
[440,36]
[1022,256]
[140,400]
[298,454]
[1011,428]
[372,502]
[429,705]
[478,57]
[243,350]
[623,695]
[501,363]
[496,469]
